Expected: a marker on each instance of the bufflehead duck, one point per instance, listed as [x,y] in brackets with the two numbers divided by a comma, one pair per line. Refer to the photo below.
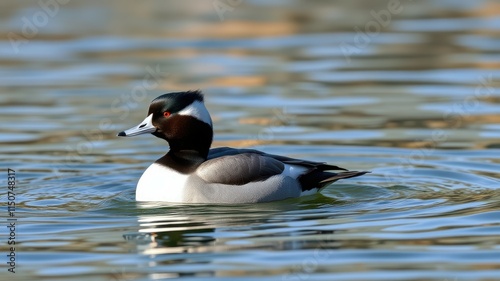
[191,172]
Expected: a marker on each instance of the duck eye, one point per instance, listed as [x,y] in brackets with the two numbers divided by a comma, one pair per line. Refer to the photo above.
[167,114]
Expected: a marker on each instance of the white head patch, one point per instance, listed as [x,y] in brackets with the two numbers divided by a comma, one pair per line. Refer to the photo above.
[197,110]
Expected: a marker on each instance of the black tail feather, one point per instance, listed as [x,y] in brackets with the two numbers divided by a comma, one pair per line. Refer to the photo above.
[341,175]
[318,178]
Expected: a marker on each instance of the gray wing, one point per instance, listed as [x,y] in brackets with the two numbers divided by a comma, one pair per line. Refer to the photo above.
[243,166]
[238,168]
[225,151]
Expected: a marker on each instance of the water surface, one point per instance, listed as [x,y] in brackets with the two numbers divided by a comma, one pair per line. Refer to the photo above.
[416,101]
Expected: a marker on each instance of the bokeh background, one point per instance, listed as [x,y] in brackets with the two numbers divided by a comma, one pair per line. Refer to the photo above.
[406,89]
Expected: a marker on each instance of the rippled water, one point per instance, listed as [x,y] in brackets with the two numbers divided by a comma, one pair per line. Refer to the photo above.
[408,91]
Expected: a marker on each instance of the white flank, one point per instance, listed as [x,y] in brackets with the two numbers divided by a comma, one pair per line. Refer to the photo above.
[159,183]
[197,110]
[295,171]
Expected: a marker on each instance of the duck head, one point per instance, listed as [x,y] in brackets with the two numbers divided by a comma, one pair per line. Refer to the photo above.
[181,119]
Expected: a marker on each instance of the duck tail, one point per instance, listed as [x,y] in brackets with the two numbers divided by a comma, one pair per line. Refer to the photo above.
[318,179]
[342,175]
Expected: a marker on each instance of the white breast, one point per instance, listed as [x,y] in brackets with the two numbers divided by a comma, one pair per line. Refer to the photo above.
[160,183]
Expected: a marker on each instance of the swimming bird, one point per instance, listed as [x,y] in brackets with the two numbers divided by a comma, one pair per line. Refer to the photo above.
[191,172]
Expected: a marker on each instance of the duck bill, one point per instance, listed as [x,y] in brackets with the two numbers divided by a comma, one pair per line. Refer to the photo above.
[144,127]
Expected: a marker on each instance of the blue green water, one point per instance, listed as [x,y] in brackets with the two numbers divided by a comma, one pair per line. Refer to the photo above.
[412,96]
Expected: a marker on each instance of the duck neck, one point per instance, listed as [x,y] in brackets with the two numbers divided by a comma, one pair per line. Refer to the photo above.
[186,155]
[189,149]
[194,142]
[189,140]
